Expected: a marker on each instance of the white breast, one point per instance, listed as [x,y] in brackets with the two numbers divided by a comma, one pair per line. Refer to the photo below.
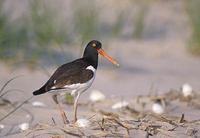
[91,68]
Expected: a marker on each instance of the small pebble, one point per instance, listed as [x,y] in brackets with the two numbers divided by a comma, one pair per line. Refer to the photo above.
[24,126]
[97,96]
[157,108]
[187,90]
[2,126]
[120,105]
[83,123]
[38,104]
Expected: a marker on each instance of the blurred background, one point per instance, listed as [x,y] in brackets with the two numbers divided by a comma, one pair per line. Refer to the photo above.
[156,42]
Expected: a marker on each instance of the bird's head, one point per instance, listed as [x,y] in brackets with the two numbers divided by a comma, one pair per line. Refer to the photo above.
[94,44]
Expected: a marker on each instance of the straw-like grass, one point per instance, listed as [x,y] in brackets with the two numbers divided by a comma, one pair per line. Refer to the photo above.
[130,122]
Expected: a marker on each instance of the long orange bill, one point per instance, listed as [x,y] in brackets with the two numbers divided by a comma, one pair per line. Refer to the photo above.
[105,55]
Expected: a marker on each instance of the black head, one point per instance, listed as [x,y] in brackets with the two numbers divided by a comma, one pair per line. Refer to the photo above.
[91,52]
[92,48]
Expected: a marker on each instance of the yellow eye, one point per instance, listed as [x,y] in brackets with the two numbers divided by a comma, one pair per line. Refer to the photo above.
[93,45]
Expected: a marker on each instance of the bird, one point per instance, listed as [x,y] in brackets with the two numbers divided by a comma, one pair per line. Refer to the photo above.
[75,77]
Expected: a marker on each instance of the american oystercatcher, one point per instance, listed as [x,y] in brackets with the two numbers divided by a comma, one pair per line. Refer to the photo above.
[76,76]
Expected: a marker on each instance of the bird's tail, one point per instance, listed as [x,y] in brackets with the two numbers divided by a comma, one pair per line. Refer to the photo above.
[40,91]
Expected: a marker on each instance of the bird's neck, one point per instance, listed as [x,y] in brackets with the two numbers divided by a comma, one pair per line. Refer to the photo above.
[91,56]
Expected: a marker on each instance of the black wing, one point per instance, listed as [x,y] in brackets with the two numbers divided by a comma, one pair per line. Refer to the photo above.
[67,74]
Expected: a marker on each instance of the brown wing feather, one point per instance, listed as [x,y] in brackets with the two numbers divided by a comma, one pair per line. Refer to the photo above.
[70,73]
[79,77]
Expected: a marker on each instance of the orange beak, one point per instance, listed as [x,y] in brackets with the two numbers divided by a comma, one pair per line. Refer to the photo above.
[105,55]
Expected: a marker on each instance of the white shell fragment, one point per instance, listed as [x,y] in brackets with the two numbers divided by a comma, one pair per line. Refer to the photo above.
[157,108]
[120,105]
[2,126]
[97,96]
[23,126]
[38,104]
[187,90]
[83,123]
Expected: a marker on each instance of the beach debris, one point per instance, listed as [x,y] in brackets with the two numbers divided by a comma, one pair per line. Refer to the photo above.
[187,90]
[160,122]
[83,123]
[120,105]
[96,96]
[157,107]
[23,126]
[38,104]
